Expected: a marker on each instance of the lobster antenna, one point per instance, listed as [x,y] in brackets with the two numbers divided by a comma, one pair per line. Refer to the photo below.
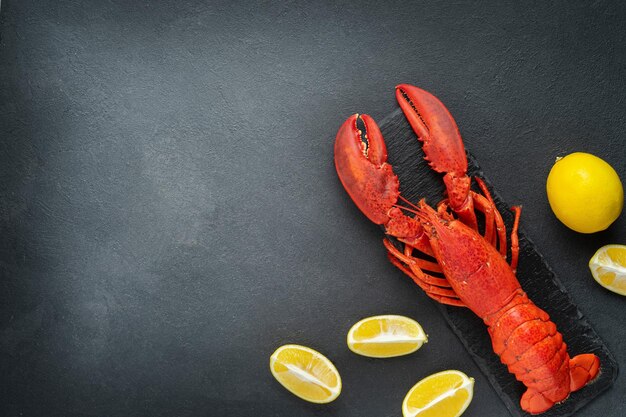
[408,202]
[419,214]
[408,209]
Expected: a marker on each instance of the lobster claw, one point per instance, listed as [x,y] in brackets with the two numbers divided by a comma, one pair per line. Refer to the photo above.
[442,144]
[361,163]
[435,126]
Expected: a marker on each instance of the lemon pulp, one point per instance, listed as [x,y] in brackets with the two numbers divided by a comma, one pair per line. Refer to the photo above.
[386,336]
[444,394]
[608,267]
[306,373]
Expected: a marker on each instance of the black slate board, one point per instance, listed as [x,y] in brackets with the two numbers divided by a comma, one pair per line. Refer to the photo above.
[417,181]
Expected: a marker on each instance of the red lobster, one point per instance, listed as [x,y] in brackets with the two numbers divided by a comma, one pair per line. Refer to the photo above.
[474,267]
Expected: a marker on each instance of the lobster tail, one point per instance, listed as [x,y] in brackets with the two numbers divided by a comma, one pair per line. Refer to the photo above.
[584,368]
[533,350]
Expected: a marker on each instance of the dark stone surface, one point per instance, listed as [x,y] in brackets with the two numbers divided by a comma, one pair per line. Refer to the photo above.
[170,213]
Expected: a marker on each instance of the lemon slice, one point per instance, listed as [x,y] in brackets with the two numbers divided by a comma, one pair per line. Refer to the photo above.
[306,373]
[386,336]
[444,394]
[608,267]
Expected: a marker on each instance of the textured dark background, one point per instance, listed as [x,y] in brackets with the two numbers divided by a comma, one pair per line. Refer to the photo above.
[170,212]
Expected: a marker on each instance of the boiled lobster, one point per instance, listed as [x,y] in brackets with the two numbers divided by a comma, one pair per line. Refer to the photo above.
[463,267]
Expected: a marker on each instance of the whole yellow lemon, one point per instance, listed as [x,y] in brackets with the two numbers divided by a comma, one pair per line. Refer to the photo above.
[585,192]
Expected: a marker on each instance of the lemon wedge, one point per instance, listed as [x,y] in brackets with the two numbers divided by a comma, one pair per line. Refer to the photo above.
[444,394]
[608,267]
[386,336]
[306,373]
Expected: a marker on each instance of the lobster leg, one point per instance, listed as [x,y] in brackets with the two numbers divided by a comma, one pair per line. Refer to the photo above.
[514,238]
[449,300]
[419,242]
[410,260]
[429,266]
[484,206]
[500,228]
[436,288]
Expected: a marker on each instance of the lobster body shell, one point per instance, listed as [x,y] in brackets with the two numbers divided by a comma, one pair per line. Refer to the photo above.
[478,274]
